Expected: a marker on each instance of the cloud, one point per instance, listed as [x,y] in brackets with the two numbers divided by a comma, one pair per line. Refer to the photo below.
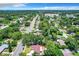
[5,5]
[58,8]
[12,5]
[19,5]
[22,6]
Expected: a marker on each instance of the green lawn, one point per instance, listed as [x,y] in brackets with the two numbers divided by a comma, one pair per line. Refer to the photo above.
[25,51]
[6,50]
[76,54]
[4,54]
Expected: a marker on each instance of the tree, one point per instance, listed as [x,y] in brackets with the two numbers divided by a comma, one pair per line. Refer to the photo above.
[30,39]
[53,29]
[54,36]
[14,42]
[1,36]
[72,43]
[35,54]
[77,35]
[16,35]
[4,33]
[9,46]
[44,24]
[27,23]
[8,17]
[52,49]
[55,17]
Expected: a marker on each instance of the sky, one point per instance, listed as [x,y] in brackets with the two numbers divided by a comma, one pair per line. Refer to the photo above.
[40,6]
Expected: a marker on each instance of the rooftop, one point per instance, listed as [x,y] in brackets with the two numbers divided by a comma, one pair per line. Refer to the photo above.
[2,47]
[37,48]
[61,42]
[66,52]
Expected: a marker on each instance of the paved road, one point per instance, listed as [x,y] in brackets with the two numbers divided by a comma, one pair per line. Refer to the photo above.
[33,23]
[18,49]
[37,22]
[31,27]
[4,27]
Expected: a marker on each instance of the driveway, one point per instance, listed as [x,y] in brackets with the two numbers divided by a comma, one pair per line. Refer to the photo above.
[18,49]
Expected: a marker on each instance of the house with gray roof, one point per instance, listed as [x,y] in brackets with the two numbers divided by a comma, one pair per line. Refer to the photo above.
[2,47]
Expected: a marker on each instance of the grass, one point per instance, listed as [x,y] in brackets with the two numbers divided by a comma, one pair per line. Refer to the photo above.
[13,48]
[4,54]
[6,50]
[76,54]
[26,50]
